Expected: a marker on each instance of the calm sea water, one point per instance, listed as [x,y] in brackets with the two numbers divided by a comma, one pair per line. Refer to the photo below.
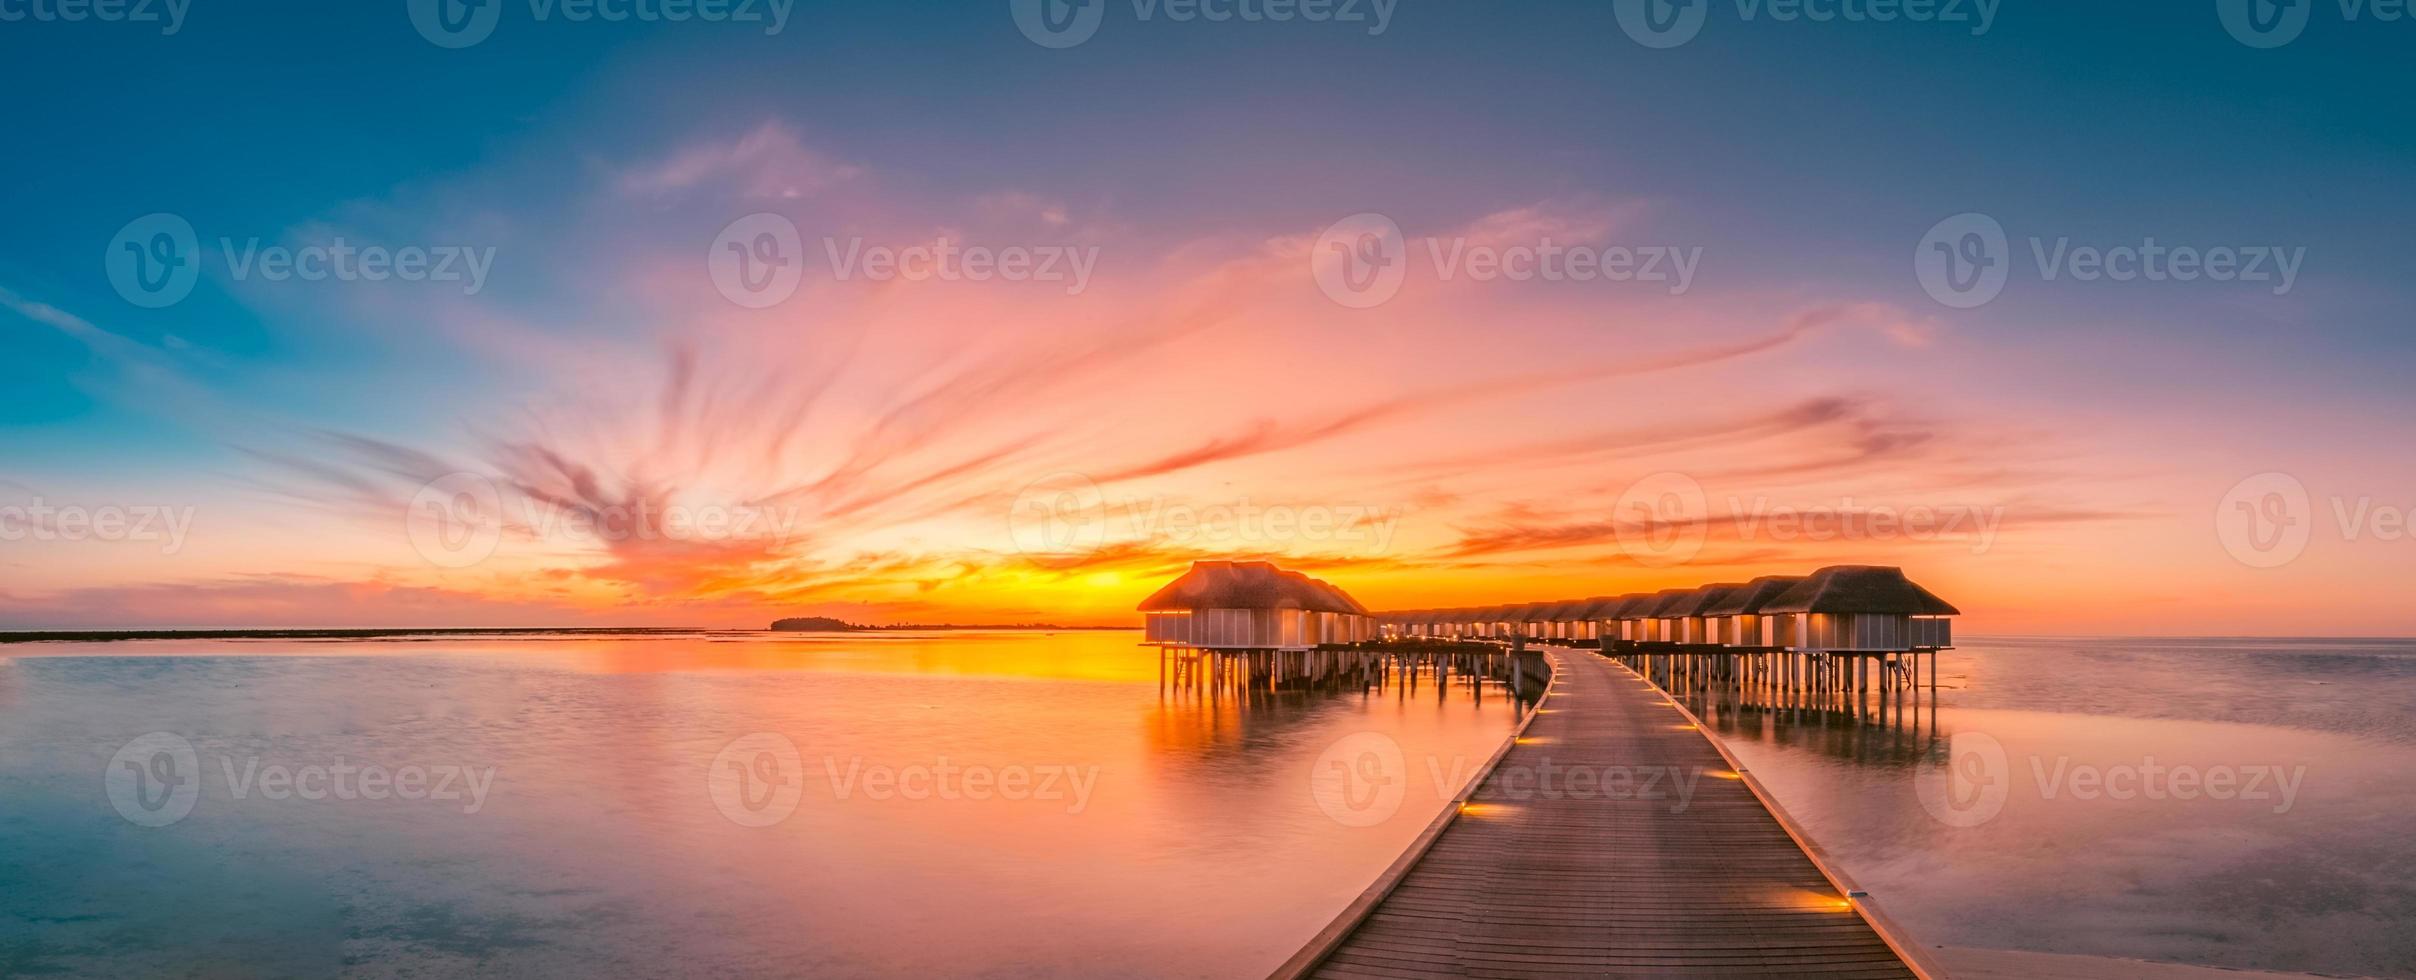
[993,804]
[2244,803]
[745,804]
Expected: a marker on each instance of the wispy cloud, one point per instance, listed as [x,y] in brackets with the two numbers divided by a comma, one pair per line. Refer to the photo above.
[885,428]
[768,162]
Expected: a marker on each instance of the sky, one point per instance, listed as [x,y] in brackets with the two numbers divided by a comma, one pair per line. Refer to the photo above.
[2091,317]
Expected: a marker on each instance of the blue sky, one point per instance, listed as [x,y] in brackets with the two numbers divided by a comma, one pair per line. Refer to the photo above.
[1807,159]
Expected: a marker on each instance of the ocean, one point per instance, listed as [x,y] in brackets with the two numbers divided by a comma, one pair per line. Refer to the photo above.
[1036,804]
[2230,802]
[1002,804]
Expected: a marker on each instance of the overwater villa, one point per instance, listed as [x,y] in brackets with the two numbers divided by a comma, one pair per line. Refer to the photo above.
[1864,608]
[1739,620]
[1623,620]
[1847,639]
[1684,622]
[1251,605]
[1841,609]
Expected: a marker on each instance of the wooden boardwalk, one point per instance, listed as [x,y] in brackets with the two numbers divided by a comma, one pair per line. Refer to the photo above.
[1689,877]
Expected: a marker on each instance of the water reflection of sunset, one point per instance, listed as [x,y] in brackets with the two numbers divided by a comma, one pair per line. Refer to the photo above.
[1093,792]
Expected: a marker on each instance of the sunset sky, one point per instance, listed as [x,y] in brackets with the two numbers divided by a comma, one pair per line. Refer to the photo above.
[885,449]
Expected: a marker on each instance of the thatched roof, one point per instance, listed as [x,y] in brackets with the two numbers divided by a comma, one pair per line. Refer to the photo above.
[1544,612]
[1668,602]
[1567,611]
[1748,600]
[1700,599]
[1637,605]
[1248,585]
[1860,589]
[1598,607]
[1349,605]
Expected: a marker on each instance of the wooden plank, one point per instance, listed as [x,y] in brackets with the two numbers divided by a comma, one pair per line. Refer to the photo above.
[1697,876]
[1330,939]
